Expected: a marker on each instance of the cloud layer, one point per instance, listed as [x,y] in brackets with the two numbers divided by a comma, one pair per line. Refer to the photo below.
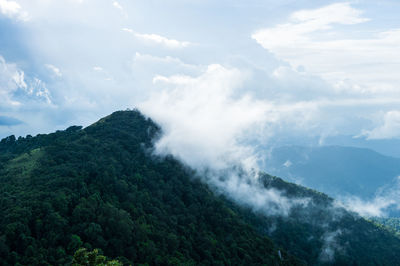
[158,39]
[202,118]
[386,202]
[13,9]
[320,74]
[316,40]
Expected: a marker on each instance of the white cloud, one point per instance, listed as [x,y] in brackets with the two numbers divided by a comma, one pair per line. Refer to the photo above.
[11,78]
[294,34]
[208,124]
[13,9]
[103,73]
[98,68]
[287,164]
[386,198]
[55,70]
[373,208]
[13,81]
[39,89]
[330,246]
[117,5]
[314,39]
[202,118]
[158,39]
[164,61]
[209,119]
[151,68]
[390,127]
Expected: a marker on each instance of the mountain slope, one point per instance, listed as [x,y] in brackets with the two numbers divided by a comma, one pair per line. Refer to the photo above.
[102,187]
[323,233]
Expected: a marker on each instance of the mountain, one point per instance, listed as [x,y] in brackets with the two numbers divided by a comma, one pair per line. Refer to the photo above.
[102,187]
[335,170]
[388,147]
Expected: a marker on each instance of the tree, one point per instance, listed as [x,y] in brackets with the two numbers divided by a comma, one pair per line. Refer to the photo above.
[83,257]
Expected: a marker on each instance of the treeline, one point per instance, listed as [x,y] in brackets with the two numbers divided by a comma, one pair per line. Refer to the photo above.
[390,223]
[100,187]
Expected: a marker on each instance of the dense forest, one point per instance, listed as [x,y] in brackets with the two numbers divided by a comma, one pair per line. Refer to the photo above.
[390,223]
[102,188]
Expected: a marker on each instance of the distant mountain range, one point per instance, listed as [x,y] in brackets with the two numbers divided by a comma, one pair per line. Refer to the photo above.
[335,170]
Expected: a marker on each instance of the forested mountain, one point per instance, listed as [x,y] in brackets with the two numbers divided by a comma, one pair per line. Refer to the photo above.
[102,187]
[335,170]
[392,224]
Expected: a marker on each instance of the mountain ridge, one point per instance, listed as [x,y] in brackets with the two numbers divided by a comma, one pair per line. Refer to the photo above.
[335,170]
[102,187]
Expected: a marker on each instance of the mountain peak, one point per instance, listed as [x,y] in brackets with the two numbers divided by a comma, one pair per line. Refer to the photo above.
[100,187]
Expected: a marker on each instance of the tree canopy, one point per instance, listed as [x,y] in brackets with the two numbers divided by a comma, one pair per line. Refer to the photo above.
[101,188]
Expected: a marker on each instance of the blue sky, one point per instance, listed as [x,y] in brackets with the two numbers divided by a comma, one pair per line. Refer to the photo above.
[223,71]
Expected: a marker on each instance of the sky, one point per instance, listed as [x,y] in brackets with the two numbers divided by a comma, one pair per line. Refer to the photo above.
[217,75]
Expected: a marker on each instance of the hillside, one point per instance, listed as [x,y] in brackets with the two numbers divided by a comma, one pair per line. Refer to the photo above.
[335,170]
[102,187]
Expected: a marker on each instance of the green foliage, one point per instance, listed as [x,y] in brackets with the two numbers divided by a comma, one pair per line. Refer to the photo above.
[83,257]
[101,187]
[391,223]
[320,227]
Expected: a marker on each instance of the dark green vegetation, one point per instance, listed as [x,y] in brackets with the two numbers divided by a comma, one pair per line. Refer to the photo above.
[392,224]
[335,170]
[322,233]
[83,257]
[101,187]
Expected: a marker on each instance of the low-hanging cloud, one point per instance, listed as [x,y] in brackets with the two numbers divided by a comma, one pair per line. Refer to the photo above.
[203,120]
[208,123]
[330,246]
[387,199]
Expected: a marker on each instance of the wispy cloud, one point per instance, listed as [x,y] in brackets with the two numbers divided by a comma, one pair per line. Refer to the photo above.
[387,198]
[12,9]
[201,117]
[158,39]
[121,9]
[117,5]
[330,246]
[207,125]
[389,127]
[317,39]
[15,88]
[104,73]
[55,70]
[11,78]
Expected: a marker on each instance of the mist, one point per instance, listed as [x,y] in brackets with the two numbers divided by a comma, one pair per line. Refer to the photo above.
[225,87]
[210,125]
[386,202]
